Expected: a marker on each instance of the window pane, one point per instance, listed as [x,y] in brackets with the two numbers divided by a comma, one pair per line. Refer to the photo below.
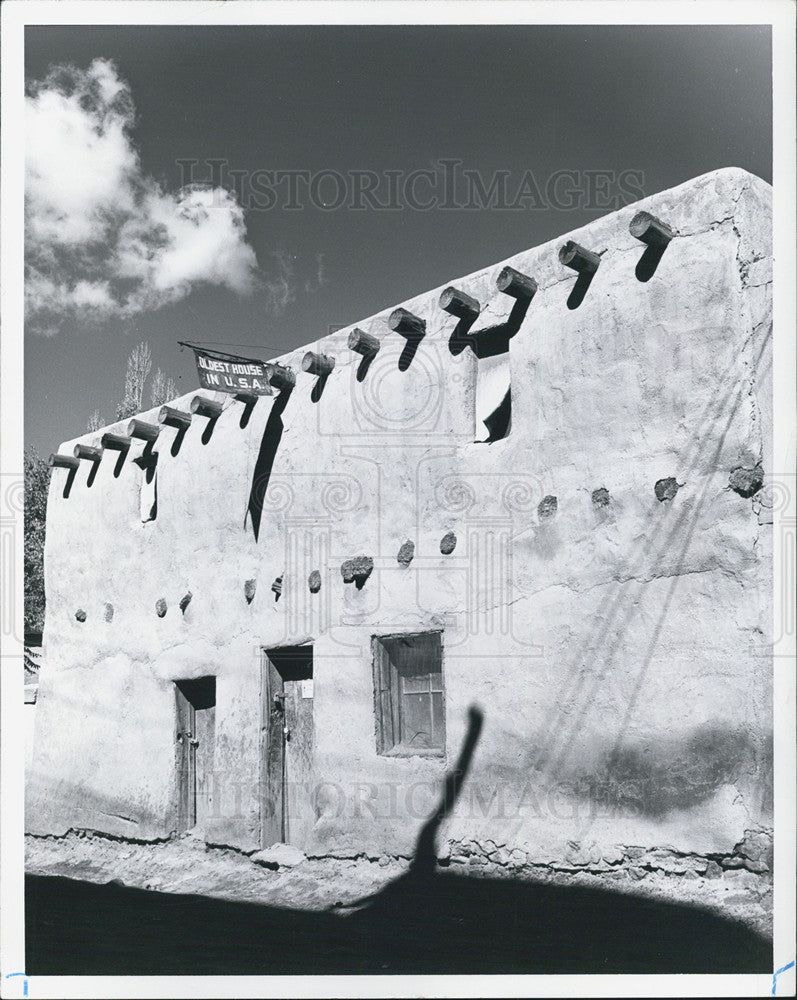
[416,721]
[414,685]
[438,721]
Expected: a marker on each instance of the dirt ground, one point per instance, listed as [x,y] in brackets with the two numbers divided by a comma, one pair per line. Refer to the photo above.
[188,865]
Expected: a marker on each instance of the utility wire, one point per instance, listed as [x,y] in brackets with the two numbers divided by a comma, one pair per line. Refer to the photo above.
[209,343]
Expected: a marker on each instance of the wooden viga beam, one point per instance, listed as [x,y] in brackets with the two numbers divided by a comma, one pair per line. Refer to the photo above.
[143,431]
[59,461]
[574,256]
[317,364]
[363,343]
[281,377]
[206,407]
[406,323]
[459,303]
[116,442]
[174,418]
[516,284]
[649,230]
[87,453]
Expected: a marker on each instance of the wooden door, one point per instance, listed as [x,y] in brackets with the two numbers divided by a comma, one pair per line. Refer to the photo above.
[271,754]
[205,735]
[186,762]
[287,746]
[298,781]
[195,734]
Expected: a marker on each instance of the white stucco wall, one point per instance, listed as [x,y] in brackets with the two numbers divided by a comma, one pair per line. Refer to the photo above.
[618,650]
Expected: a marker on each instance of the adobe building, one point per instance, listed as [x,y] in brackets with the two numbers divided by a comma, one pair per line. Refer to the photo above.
[536,490]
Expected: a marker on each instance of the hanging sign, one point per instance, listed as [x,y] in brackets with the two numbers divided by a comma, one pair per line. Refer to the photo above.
[228,373]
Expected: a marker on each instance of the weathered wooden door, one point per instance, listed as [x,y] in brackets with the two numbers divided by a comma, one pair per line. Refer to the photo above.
[186,762]
[298,784]
[287,751]
[195,741]
[272,721]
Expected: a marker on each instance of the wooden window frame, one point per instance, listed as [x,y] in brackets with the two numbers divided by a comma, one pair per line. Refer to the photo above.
[387,697]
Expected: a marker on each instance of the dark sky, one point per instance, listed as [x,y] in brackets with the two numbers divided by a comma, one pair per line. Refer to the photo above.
[668,103]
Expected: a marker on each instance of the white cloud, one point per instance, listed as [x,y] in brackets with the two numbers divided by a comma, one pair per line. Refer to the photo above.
[102,238]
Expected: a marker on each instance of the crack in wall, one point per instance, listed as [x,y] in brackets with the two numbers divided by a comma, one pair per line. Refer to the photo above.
[753,854]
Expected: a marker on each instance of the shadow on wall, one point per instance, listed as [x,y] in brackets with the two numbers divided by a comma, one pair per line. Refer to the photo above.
[664,774]
[492,340]
[427,921]
[272,435]
[606,637]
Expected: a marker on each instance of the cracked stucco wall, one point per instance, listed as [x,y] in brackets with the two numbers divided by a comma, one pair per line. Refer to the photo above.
[617,643]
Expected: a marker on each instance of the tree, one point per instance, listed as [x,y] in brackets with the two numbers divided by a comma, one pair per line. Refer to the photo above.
[163,388]
[95,421]
[37,483]
[139,365]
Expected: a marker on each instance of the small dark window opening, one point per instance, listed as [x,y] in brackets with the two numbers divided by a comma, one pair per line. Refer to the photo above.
[408,686]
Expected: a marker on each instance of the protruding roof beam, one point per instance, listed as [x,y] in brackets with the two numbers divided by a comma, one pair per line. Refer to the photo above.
[116,442]
[281,377]
[57,461]
[650,230]
[317,364]
[205,407]
[87,453]
[574,256]
[403,321]
[143,431]
[363,343]
[516,284]
[459,303]
[174,418]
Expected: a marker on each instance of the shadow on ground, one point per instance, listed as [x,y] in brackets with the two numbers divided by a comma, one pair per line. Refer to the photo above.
[443,923]
[428,921]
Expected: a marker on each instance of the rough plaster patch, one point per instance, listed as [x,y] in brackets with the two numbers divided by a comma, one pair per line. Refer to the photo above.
[666,489]
[406,553]
[746,482]
[357,570]
[547,507]
[448,543]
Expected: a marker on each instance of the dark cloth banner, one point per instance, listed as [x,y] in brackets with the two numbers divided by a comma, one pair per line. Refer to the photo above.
[228,373]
